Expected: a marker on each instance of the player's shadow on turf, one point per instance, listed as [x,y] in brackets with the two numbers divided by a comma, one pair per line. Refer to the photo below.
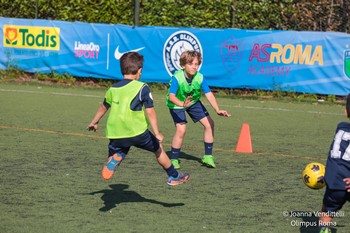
[186,156]
[118,194]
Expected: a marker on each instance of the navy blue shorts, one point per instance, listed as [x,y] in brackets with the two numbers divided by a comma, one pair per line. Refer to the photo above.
[146,141]
[333,200]
[197,112]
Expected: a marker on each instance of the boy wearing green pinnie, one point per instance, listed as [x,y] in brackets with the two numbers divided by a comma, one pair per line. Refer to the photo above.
[186,86]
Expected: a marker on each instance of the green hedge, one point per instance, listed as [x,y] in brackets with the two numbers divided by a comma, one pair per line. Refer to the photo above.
[317,15]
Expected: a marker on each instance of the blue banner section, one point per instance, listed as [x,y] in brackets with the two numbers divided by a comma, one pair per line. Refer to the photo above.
[306,62]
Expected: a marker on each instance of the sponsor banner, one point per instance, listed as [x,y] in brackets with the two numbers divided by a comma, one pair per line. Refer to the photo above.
[27,37]
[307,62]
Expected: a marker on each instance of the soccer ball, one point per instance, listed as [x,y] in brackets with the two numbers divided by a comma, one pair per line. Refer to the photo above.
[313,175]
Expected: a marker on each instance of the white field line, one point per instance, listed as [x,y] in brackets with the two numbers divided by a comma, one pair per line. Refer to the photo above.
[51,93]
[232,106]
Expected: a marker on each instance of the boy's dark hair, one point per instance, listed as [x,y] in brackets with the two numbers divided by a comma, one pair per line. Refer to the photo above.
[131,62]
[348,105]
[188,56]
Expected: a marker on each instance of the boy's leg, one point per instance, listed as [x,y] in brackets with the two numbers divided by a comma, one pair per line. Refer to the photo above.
[112,164]
[333,201]
[149,142]
[179,118]
[177,144]
[325,221]
[116,156]
[208,125]
[199,113]
[175,177]
[208,137]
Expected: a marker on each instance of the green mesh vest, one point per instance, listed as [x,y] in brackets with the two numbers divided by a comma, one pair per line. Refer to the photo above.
[123,122]
[185,89]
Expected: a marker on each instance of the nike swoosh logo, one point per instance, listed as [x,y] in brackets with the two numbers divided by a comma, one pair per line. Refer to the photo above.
[118,54]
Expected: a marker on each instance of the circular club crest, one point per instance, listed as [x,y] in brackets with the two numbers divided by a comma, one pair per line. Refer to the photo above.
[177,43]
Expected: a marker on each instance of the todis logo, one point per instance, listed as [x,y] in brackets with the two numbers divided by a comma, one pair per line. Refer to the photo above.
[29,37]
[177,43]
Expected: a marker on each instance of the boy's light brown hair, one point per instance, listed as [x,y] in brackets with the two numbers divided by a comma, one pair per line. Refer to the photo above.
[188,56]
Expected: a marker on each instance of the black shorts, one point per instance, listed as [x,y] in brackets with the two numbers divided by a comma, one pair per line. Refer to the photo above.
[333,200]
[146,141]
[196,111]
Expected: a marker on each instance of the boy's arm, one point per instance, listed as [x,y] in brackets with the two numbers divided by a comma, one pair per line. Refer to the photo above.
[176,101]
[152,118]
[93,126]
[174,86]
[212,100]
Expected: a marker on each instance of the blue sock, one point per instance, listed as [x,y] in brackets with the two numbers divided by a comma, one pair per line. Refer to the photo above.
[171,171]
[175,153]
[208,148]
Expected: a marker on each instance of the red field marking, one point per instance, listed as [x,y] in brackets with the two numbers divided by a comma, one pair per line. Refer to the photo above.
[192,147]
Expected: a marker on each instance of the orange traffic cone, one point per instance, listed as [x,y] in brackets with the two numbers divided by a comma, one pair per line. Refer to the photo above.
[244,144]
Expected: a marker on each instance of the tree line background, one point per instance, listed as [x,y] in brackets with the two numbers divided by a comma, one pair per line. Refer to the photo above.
[299,15]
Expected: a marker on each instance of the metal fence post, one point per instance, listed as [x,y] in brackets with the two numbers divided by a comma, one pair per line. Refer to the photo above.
[137,13]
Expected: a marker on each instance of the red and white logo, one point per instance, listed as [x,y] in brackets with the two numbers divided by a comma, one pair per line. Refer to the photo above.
[231,52]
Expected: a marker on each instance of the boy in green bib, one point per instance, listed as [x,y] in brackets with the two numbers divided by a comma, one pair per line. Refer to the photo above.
[131,109]
[183,96]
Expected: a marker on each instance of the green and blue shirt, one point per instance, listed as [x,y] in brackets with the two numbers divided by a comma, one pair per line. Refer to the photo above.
[183,87]
[126,101]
